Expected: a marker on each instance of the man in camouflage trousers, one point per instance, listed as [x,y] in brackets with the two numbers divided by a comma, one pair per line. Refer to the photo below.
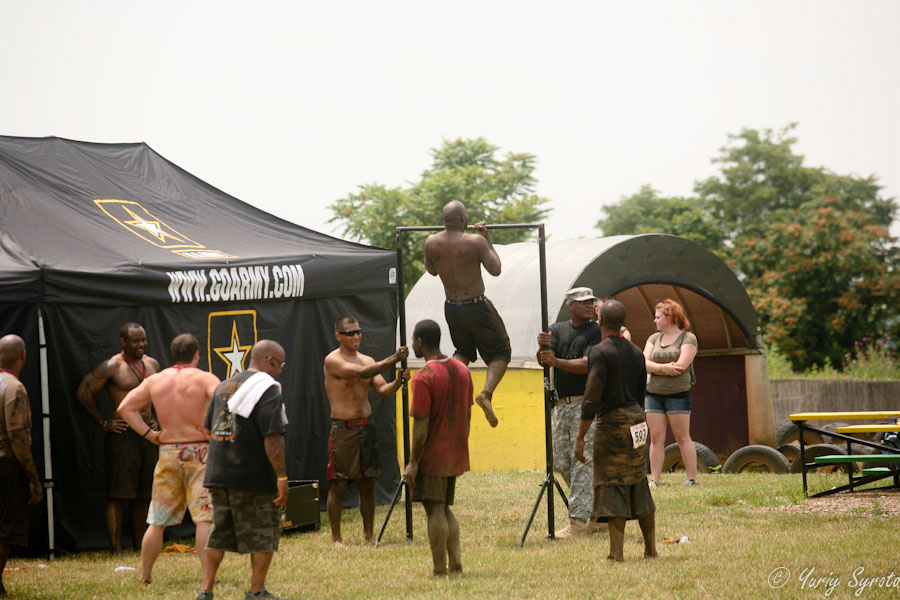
[565,348]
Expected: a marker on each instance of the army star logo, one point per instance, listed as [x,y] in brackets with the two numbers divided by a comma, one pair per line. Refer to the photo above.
[231,335]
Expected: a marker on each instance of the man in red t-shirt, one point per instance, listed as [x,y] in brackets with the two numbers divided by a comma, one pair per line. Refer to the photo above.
[441,409]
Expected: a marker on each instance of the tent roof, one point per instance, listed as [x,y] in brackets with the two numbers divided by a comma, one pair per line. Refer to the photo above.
[638,270]
[78,219]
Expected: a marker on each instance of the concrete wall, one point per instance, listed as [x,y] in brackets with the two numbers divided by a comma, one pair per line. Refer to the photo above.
[796,395]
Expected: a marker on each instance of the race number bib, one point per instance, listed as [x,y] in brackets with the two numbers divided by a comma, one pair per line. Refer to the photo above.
[639,434]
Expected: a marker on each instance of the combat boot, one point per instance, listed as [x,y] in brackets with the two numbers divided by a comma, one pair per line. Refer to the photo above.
[575,528]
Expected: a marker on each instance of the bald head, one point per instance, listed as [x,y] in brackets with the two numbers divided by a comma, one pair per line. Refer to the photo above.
[267,356]
[612,315]
[455,216]
[12,352]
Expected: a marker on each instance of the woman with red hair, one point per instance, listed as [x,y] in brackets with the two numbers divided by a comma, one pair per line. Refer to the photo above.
[669,354]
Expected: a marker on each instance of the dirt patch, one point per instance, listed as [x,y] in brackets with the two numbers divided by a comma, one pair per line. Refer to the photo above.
[864,504]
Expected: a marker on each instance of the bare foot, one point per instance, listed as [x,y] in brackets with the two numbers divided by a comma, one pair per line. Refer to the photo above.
[439,573]
[457,570]
[484,402]
[651,554]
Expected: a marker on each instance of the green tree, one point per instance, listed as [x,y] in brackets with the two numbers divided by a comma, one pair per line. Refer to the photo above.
[812,247]
[648,212]
[822,281]
[494,190]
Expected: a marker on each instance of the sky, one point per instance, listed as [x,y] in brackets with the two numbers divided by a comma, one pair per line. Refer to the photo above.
[289,106]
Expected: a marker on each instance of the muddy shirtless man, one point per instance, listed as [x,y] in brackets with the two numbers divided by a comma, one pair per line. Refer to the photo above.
[352,453]
[180,395]
[129,459]
[457,257]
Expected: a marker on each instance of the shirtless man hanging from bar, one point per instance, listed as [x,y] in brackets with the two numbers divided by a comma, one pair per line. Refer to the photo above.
[457,256]
[129,459]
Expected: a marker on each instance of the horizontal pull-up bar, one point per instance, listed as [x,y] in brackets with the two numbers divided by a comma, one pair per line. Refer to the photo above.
[501,226]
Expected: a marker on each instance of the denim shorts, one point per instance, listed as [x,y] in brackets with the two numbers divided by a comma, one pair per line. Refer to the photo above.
[673,404]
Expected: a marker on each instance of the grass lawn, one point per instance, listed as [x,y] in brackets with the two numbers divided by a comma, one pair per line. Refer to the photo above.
[741,528]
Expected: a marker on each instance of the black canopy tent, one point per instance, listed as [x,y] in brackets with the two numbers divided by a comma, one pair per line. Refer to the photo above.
[95,235]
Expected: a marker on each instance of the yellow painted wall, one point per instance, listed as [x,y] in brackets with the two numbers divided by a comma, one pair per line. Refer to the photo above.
[518,440]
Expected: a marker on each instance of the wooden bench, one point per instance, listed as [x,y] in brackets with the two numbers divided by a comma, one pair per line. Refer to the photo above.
[843,433]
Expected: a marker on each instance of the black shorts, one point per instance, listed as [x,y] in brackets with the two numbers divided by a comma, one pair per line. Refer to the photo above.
[130,460]
[14,493]
[477,325]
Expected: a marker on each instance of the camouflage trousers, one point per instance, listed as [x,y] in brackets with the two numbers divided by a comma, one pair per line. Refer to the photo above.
[564,422]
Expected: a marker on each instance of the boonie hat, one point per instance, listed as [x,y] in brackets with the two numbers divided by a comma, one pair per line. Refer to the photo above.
[580,293]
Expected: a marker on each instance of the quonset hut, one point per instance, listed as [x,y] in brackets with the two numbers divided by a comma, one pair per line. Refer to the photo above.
[732,404]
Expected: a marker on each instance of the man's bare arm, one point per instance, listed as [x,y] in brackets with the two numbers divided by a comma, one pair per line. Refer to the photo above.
[90,385]
[386,389]
[338,367]
[429,262]
[489,257]
[131,405]
[20,440]
[419,437]
[274,444]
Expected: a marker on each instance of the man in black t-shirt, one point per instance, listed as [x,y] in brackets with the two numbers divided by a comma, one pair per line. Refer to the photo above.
[617,379]
[245,469]
[565,348]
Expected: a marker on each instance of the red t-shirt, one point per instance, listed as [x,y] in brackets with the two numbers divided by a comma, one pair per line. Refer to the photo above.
[442,392]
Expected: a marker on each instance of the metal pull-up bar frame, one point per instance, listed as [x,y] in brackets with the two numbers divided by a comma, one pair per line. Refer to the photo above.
[550,479]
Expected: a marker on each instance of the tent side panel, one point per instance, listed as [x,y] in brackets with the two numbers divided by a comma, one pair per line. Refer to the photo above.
[80,337]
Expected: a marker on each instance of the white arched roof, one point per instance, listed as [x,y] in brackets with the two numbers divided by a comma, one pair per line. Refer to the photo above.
[625,266]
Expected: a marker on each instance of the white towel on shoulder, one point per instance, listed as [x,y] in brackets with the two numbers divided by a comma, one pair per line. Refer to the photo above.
[243,401]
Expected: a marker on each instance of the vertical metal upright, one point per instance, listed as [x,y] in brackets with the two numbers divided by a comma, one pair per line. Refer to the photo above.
[550,479]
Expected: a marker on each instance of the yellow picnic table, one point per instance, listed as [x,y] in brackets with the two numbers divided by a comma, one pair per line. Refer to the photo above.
[849,459]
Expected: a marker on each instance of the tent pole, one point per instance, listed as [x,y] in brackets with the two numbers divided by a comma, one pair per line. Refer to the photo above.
[45,418]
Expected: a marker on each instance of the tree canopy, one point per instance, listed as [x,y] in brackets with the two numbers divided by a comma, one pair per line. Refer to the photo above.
[494,190]
[812,248]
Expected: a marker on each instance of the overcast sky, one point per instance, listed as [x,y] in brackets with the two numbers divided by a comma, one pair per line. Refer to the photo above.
[291,105]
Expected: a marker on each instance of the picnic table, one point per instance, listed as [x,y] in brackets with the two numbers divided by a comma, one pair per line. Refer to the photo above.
[843,433]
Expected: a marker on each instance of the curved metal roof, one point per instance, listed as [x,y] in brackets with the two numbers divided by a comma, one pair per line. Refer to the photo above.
[639,270]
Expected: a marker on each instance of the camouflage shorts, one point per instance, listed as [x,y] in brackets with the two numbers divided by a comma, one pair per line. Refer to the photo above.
[244,521]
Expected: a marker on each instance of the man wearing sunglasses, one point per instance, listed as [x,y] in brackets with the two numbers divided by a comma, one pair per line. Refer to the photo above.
[352,453]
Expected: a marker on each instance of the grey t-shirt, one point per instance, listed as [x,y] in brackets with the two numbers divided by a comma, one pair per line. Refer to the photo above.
[665,384]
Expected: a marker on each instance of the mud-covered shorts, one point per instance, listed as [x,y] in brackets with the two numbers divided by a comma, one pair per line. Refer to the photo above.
[14,493]
[130,460]
[620,470]
[352,452]
[245,521]
[178,484]
[476,324]
[434,489]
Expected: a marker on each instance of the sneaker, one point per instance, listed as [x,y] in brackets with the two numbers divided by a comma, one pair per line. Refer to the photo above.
[262,595]
[205,595]
[690,482]
[653,484]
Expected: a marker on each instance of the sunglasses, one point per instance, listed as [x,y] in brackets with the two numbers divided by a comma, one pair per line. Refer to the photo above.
[281,364]
[351,333]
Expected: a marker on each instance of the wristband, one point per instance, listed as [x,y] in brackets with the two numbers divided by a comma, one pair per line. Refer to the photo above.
[282,478]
